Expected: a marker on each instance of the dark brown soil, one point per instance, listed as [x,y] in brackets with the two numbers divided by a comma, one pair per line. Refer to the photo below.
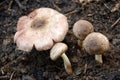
[19,65]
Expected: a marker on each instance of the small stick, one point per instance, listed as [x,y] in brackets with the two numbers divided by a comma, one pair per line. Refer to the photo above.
[1,5]
[11,77]
[71,12]
[10,4]
[55,6]
[58,9]
[19,4]
[85,68]
[115,22]
[106,6]
[3,77]
[116,7]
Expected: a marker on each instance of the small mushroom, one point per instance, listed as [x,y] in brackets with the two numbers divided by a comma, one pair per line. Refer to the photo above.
[81,29]
[59,50]
[96,43]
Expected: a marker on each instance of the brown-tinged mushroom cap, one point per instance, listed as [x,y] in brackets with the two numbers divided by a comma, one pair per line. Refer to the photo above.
[41,28]
[96,43]
[82,28]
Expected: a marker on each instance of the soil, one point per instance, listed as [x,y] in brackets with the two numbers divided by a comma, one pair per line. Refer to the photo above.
[19,65]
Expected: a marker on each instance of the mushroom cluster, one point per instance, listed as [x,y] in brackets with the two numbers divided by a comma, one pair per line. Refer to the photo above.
[92,42]
[43,29]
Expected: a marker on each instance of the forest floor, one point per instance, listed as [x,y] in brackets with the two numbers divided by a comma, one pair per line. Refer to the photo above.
[19,65]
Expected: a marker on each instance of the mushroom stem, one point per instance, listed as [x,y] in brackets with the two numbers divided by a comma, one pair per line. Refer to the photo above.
[99,58]
[67,64]
[80,43]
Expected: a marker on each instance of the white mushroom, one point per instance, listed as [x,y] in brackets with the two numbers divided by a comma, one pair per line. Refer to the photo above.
[96,43]
[40,29]
[59,50]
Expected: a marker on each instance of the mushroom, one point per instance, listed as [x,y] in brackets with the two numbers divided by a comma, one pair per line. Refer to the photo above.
[81,29]
[41,29]
[96,43]
[59,50]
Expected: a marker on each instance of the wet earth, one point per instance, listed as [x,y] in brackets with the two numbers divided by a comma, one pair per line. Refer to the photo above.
[20,65]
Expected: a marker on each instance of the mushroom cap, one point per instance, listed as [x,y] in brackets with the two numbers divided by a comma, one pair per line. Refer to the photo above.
[96,43]
[41,28]
[82,28]
[57,50]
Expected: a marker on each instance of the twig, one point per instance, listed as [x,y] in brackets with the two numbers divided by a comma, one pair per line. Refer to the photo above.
[106,6]
[71,12]
[19,4]
[55,6]
[58,9]
[115,22]
[3,77]
[2,71]
[11,77]
[85,68]
[10,4]
[1,5]
[116,7]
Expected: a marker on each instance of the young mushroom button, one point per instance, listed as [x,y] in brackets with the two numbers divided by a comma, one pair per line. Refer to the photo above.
[96,43]
[59,50]
[81,29]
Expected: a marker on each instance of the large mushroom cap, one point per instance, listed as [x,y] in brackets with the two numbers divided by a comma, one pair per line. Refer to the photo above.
[96,43]
[82,28]
[41,28]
